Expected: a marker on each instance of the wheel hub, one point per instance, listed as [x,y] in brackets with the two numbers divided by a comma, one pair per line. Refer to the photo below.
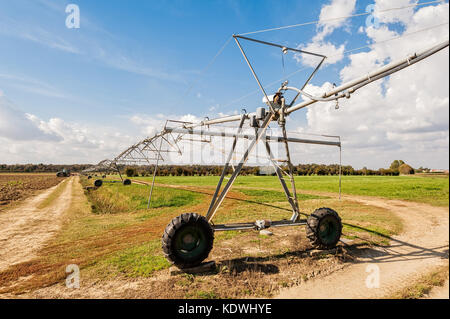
[327,230]
[188,239]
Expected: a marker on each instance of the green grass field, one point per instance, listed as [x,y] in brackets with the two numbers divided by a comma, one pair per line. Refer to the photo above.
[429,190]
[115,198]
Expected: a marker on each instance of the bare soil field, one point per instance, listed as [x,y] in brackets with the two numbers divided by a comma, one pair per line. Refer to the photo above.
[24,229]
[16,187]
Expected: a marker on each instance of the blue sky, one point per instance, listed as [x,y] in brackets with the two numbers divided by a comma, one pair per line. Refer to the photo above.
[143,56]
[133,58]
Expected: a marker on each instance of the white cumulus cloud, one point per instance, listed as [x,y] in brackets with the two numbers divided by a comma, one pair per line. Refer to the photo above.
[327,24]
[404,116]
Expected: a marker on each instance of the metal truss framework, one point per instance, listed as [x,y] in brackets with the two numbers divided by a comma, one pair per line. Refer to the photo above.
[278,109]
[150,151]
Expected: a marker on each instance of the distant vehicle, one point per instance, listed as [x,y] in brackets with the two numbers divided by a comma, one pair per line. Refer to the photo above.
[63,173]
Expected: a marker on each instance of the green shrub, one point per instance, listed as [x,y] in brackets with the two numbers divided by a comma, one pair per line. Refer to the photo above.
[130,172]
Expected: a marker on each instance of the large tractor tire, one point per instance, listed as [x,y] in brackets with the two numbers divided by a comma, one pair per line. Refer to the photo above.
[98,183]
[187,240]
[324,228]
[127,182]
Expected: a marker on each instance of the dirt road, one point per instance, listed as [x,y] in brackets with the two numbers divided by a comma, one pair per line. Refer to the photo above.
[24,229]
[422,246]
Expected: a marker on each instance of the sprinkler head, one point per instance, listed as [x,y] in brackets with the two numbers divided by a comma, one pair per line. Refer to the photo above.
[336,107]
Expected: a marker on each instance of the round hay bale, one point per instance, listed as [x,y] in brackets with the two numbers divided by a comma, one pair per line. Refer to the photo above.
[98,183]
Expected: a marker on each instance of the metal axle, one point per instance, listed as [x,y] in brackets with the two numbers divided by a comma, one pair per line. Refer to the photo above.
[256,226]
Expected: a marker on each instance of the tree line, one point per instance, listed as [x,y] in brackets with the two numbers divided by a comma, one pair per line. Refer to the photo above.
[397,167]
[300,169]
[42,168]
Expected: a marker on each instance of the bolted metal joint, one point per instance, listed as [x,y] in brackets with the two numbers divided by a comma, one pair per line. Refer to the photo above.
[260,113]
[262,224]
[254,121]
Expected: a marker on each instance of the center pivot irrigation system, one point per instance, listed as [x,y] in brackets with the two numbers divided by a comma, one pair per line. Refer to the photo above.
[144,152]
[188,238]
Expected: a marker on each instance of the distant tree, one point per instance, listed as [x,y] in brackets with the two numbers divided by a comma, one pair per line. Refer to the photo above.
[320,170]
[405,169]
[396,164]
[130,171]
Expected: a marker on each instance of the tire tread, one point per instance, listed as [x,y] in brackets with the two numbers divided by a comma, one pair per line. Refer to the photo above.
[312,227]
[169,234]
